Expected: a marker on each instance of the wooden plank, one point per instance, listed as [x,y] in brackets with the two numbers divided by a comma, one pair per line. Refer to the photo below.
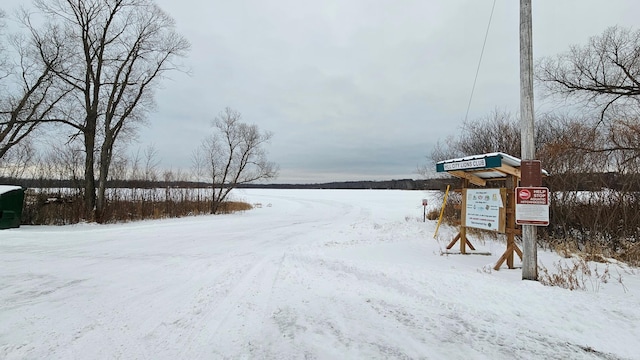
[502,217]
[470,245]
[509,170]
[472,178]
[453,242]
[510,254]
[463,239]
[518,251]
[508,257]
[463,207]
[500,261]
[484,253]
[513,231]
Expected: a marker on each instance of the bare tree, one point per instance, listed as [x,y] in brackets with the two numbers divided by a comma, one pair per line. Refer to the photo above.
[136,172]
[3,50]
[115,52]
[69,159]
[17,160]
[497,132]
[563,144]
[151,163]
[233,155]
[29,92]
[120,164]
[604,72]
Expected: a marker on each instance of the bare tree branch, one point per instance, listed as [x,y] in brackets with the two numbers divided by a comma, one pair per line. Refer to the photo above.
[233,155]
[31,94]
[604,71]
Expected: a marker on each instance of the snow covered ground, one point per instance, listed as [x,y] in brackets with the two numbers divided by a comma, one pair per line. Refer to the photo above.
[311,274]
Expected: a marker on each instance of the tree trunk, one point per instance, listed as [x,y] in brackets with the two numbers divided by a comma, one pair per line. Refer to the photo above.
[89,178]
[215,203]
[103,176]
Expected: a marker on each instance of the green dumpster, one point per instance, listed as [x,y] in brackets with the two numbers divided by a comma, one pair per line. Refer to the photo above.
[11,200]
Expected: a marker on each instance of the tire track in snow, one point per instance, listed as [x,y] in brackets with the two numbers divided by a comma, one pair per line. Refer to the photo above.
[228,326]
[181,325]
[382,301]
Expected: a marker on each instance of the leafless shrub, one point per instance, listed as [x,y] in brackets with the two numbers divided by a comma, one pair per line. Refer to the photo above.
[576,275]
[433,214]
[228,207]
[629,252]
[62,207]
[52,208]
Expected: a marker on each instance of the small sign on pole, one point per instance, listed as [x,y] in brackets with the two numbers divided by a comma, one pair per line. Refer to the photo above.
[532,206]
[424,210]
[530,173]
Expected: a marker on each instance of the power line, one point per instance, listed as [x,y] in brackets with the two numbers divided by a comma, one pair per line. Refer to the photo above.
[486,35]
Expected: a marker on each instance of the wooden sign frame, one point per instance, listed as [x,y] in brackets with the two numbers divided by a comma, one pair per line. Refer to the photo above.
[479,169]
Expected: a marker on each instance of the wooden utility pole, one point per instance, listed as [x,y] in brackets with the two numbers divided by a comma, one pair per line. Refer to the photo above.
[528,149]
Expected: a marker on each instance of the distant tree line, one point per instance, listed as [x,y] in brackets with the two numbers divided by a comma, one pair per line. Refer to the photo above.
[403,184]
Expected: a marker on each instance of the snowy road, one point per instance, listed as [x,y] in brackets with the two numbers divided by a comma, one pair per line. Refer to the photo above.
[312,274]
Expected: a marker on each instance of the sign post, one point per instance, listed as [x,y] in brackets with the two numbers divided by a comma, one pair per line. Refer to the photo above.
[527,142]
[424,210]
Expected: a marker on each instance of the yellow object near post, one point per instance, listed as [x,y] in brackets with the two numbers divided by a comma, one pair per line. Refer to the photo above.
[444,203]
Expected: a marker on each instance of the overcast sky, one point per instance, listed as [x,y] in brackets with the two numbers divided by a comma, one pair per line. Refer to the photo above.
[354,89]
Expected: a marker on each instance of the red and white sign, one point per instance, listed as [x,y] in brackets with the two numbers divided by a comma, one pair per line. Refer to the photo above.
[524,194]
[532,206]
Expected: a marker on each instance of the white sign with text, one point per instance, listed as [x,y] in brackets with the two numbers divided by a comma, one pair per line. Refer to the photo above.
[483,209]
[532,206]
